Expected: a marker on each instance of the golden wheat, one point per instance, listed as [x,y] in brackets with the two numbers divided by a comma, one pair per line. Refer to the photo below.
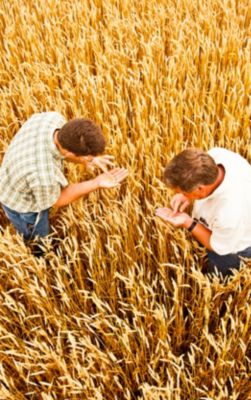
[120,309]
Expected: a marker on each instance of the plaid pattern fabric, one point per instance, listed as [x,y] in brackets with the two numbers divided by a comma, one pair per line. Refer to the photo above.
[31,175]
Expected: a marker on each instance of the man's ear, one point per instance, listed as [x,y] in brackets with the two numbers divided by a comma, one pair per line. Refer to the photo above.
[69,154]
[201,190]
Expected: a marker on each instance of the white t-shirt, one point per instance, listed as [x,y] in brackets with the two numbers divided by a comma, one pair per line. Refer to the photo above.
[227,211]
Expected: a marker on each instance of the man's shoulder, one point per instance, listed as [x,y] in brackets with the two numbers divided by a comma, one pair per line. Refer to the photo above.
[39,122]
[221,151]
[221,155]
[34,134]
[46,116]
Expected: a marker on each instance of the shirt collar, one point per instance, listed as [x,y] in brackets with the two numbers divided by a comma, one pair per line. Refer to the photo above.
[221,188]
[52,146]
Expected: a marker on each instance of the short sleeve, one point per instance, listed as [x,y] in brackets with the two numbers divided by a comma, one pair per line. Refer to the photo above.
[227,230]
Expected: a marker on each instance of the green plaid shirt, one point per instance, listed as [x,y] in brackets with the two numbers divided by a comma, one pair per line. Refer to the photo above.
[31,175]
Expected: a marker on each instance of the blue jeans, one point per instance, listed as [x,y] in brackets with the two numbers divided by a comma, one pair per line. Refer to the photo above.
[224,263]
[30,224]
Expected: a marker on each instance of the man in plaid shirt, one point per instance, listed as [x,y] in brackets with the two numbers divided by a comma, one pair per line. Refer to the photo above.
[31,175]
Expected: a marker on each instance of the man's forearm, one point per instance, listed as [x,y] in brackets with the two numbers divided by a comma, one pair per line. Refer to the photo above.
[201,233]
[74,191]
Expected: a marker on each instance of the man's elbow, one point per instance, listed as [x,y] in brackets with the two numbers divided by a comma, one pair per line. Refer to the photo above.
[60,202]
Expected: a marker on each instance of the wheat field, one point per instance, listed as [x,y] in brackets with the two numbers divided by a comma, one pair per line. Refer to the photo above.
[120,309]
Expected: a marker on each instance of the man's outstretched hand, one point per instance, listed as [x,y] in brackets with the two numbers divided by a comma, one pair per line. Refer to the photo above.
[111,179]
[177,219]
[102,162]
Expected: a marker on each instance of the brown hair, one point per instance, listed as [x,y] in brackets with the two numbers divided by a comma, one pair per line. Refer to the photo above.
[82,137]
[189,169]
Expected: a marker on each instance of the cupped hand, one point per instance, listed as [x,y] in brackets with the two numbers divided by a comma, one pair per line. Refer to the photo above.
[176,219]
[111,179]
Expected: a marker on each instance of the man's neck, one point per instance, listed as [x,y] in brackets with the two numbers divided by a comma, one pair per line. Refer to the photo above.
[57,144]
[218,181]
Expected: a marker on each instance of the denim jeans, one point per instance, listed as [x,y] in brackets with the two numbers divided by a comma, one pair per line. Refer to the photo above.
[224,263]
[30,224]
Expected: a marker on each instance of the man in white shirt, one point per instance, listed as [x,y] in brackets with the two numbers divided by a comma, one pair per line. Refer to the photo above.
[219,182]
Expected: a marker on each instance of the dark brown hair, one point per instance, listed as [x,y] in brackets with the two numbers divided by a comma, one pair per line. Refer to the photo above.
[82,137]
[189,169]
